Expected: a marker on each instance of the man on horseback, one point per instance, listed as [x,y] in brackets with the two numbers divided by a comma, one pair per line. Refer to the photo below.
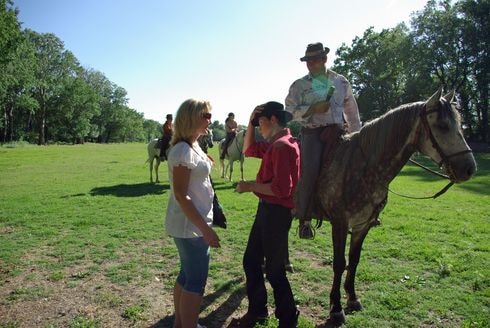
[167,132]
[321,101]
[231,127]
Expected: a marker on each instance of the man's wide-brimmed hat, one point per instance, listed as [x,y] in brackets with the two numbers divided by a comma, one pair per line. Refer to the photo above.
[315,50]
[273,108]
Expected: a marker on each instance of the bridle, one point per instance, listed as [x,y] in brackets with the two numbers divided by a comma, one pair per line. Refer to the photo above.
[444,158]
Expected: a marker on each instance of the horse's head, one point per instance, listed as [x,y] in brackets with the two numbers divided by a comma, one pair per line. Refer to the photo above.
[442,138]
[240,138]
[209,138]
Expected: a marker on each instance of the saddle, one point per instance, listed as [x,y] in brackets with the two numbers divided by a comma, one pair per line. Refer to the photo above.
[163,144]
[158,145]
[331,137]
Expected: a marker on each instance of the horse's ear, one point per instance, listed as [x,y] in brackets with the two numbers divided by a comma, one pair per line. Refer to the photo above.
[449,97]
[434,99]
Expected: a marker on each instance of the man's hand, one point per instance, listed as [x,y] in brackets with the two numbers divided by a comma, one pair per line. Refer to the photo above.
[317,108]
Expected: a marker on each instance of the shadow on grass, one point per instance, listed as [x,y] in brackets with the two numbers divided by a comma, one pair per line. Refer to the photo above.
[131,190]
[224,185]
[217,317]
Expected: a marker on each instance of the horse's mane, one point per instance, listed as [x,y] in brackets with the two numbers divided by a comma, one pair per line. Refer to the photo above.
[377,137]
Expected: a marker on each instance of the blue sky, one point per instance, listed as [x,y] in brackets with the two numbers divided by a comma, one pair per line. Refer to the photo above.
[236,54]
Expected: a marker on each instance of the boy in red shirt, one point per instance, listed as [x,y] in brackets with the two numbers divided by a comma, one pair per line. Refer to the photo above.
[274,186]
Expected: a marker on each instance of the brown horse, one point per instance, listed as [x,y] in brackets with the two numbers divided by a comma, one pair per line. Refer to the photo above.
[352,190]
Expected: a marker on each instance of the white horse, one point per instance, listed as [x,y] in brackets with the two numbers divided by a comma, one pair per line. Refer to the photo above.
[234,153]
[154,156]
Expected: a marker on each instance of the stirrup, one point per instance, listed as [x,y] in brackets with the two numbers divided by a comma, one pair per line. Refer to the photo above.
[306,230]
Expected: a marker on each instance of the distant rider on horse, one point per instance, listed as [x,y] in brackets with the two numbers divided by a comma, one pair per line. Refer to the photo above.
[231,127]
[167,132]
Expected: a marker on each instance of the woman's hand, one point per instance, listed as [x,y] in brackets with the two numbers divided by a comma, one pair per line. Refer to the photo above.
[211,237]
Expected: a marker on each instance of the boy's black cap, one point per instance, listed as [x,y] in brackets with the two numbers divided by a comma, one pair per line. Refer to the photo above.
[273,108]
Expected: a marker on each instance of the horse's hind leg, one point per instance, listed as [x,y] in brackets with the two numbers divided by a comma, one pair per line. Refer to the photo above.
[222,164]
[241,169]
[230,167]
[151,170]
[357,238]
[339,238]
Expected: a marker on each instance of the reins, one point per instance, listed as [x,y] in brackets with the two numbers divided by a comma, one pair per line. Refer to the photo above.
[444,158]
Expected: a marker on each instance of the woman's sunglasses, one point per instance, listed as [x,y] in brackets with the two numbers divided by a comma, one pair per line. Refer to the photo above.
[206,116]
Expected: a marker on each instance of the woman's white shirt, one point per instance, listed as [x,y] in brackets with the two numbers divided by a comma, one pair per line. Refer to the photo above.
[199,190]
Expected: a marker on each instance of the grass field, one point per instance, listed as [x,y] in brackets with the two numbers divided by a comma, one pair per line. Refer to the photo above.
[82,244]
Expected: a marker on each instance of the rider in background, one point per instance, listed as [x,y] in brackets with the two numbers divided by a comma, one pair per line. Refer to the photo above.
[231,127]
[167,132]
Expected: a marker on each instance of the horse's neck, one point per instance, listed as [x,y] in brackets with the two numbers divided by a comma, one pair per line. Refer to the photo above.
[398,146]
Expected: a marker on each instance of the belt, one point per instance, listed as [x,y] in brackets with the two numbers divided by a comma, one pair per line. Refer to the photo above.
[318,129]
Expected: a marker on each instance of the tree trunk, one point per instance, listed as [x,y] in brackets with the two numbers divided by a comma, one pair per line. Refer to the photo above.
[42,126]
[4,128]
[466,113]
[484,113]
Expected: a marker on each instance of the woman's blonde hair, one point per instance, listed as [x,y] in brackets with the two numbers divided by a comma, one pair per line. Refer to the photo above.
[188,119]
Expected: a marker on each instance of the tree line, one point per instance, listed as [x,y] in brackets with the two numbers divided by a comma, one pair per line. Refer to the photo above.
[446,45]
[46,96]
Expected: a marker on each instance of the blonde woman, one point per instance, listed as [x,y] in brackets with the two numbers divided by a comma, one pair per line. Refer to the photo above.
[190,210]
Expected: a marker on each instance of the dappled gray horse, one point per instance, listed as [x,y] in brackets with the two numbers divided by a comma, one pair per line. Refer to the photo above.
[352,190]
[234,153]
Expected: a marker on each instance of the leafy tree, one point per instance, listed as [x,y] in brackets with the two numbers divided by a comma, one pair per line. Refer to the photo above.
[17,81]
[10,38]
[449,43]
[376,67]
[152,129]
[76,104]
[218,130]
[474,15]
[48,73]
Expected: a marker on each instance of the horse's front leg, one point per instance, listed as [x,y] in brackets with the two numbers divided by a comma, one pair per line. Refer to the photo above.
[222,165]
[230,165]
[339,237]
[357,239]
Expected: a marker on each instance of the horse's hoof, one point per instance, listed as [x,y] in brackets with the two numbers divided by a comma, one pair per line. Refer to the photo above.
[353,306]
[336,319]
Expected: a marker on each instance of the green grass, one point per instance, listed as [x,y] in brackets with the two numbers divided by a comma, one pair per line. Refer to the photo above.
[82,234]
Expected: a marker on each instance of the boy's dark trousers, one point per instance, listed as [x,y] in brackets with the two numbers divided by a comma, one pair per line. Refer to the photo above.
[269,239]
